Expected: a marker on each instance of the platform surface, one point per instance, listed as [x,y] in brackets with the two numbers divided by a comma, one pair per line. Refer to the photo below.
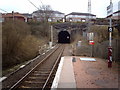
[67,79]
[65,74]
[80,73]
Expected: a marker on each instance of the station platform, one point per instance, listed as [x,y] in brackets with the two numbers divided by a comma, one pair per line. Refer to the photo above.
[65,74]
[84,72]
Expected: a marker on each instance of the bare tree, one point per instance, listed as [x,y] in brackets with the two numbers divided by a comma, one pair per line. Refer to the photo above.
[45,13]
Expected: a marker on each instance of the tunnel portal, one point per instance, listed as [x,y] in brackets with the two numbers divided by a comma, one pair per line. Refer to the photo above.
[64,37]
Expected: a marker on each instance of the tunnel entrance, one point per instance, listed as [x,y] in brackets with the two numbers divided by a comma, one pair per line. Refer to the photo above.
[63,37]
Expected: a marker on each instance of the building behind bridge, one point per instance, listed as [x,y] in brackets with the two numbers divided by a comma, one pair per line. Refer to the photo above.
[25,17]
[50,15]
[113,10]
[80,17]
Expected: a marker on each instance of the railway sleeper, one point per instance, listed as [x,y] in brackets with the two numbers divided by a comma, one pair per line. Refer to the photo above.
[42,74]
[49,85]
[34,82]
[38,78]
[31,84]
[42,71]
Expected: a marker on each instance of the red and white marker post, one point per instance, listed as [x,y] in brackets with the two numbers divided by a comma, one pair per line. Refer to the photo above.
[91,42]
[110,30]
[109,57]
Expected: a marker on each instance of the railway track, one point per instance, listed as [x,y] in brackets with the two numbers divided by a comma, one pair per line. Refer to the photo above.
[42,74]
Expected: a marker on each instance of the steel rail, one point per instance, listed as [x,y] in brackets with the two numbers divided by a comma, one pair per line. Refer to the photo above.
[17,70]
[17,83]
[52,69]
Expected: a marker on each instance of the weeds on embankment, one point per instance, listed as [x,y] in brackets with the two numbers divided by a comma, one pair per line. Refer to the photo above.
[19,43]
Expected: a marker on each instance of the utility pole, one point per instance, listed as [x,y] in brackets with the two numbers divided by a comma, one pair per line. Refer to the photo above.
[110,29]
[90,34]
[13,15]
[88,17]
[89,12]
[51,33]
[89,6]
[51,36]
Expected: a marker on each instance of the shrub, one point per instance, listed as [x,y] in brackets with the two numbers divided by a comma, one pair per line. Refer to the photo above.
[18,45]
[39,29]
[28,48]
[101,33]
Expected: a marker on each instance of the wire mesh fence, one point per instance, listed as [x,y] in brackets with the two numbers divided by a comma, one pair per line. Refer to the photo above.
[100,50]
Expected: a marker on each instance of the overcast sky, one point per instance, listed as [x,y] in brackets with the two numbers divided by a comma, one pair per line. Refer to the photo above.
[98,7]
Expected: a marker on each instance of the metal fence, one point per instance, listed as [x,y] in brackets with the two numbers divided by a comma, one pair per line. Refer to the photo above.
[100,50]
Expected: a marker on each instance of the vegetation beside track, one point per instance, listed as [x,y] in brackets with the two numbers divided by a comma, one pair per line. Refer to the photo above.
[100,48]
[21,41]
